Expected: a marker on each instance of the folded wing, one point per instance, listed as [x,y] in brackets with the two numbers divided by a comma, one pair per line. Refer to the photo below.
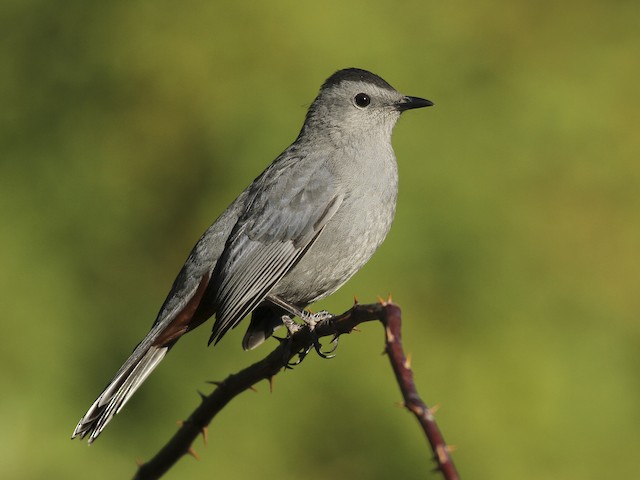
[286,215]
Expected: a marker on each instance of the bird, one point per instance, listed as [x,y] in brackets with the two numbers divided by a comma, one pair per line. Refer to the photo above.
[296,234]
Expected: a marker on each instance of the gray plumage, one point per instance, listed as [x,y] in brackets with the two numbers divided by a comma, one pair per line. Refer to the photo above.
[303,228]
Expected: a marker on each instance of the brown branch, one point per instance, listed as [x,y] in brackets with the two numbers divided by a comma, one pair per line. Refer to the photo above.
[266,369]
[392,321]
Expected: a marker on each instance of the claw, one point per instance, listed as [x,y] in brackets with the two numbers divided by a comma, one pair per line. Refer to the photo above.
[301,356]
[320,316]
[334,342]
[326,356]
[318,346]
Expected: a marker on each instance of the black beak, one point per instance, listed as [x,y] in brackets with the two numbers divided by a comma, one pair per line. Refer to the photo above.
[407,103]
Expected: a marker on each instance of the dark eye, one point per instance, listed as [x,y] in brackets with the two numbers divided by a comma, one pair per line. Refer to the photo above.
[362,100]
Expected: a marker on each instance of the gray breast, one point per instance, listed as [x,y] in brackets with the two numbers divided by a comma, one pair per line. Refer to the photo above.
[352,236]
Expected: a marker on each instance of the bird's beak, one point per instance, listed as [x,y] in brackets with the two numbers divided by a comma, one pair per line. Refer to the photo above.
[407,103]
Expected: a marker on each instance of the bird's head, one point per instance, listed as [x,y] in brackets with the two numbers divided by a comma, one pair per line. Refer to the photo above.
[357,102]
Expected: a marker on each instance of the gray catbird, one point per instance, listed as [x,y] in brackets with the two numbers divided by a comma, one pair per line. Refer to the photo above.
[309,222]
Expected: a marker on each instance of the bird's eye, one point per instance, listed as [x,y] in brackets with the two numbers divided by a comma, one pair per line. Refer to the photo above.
[362,100]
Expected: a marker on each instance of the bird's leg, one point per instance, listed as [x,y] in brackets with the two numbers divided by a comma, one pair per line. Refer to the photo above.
[289,307]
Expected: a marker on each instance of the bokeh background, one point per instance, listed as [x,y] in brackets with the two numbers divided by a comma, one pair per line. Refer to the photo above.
[127,126]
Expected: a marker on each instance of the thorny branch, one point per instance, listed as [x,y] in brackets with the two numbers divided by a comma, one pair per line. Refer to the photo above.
[299,344]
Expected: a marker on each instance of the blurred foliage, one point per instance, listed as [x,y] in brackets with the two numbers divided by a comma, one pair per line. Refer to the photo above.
[126,127]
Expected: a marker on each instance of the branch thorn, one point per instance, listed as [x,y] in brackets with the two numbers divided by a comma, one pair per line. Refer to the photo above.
[441,452]
[407,362]
[193,453]
[390,337]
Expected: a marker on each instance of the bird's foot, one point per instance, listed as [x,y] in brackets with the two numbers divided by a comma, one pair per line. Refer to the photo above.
[291,325]
[312,319]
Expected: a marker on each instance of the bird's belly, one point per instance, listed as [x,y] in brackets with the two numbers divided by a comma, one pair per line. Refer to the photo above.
[347,242]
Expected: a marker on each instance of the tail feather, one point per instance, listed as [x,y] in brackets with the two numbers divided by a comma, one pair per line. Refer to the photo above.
[118,392]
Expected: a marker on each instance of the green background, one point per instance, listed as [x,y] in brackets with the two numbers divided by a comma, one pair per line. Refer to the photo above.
[127,126]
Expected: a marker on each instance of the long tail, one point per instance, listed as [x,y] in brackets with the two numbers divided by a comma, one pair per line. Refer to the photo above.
[178,315]
[136,369]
